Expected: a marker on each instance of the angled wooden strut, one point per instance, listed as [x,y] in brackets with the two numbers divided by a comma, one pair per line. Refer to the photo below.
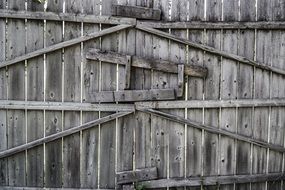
[146,63]
[211,180]
[136,12]
[143,174]
[214,130]
[212,50]
[64,44]
[59,135]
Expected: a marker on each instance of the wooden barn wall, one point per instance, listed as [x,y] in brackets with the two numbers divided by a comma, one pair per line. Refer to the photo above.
[90,158]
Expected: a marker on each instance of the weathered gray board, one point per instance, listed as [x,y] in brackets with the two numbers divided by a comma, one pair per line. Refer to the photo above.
[136,12]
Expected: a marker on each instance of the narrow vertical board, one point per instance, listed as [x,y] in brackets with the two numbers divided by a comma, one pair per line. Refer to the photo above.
[3,96]
[108,130]
[196,10]
[35,92]
[90,83]
[16,91]
[89,153]
[53,150]
[71,151]
[53,92]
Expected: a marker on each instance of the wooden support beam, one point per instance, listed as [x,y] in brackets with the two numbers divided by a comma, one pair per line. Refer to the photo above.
[137,175]
[129,187]
[134,95]
[68,106]
[160,65]
[69,17]
[269,25]
[214,130]
[59,135]
[128,72]
[64,44]
[213,180]
[136,12]
[212,50]
[211,104]
[180,80]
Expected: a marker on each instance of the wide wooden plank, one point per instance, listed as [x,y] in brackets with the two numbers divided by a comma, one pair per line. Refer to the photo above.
[86,17]
[134,95]
[144,174]
[61,134]
[136,12]
[147,63]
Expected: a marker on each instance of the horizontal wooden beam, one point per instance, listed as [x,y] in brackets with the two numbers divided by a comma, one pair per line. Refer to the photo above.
[134,95]
[211,103]
[212,50]
[69,106]
[270,25]
[64,44]
[136,12]
[213,180]
[160,65]
[65,17]
[143,174]
[61,134]
[213,129]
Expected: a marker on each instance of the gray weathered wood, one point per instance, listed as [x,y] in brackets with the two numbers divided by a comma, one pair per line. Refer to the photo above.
[69,17]
[68,106]
[61,45]
[269,25]
[134,95]
[214,130]
[136,12]
[128,72]
[138,175]
[147,63]
[180,80]
[213,180]
[46,188]
[212,50]
[61,134]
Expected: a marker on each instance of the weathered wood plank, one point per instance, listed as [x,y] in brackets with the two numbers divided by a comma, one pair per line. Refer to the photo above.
[138,175]
[180,77]
[214,130]
[60,45]
[38,188]
[134,95]
[213,50]
[53,92]
[245,24]
[128,72]
[61,134]
[69,17]
[147,63]
[136,12]
[220,180]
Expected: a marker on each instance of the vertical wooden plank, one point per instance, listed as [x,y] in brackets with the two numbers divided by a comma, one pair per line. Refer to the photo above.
[16,91]
[90,146]
[262,85]
[91,74]
[53,150]
[35,92]
[196,10]
[108,130]
[3,96]
[53,92]
[71,151]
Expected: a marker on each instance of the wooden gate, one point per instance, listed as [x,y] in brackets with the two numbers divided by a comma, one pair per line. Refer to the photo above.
[144,94]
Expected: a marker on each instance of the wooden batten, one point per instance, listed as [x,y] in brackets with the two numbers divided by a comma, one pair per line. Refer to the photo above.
[134,95]
[160,65]
[136,12]
[144,174]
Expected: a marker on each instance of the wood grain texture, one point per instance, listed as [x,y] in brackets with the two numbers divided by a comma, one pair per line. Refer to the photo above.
[136,12]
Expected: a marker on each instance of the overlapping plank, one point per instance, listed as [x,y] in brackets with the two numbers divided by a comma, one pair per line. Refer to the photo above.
[136,12]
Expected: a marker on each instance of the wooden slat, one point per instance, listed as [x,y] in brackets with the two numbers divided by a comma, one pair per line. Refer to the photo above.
[59,135]
[212,50]
[147,63]
[128,72]
[215,180]
[136,12]
[180,80]
[138,175]
[214,130]
[268,25]
[46,188]
[134,95]
[61,45]
[69,17]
